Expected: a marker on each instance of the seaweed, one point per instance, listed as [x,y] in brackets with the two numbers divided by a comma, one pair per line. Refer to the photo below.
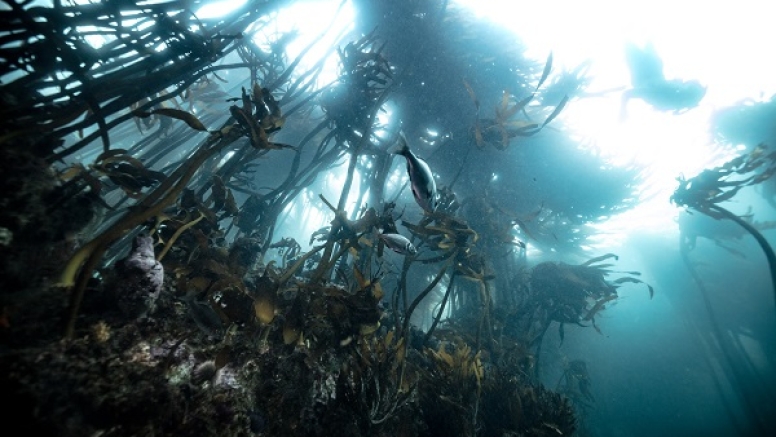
[235,325]
[499,130]
[708,189]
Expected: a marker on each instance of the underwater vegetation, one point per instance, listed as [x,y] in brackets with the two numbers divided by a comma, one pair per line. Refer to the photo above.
[705,217]
[749,124]
[704,192]
[506,125]
[150,285]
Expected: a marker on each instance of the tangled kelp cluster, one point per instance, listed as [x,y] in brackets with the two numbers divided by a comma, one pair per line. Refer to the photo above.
[506,125]
[705,192]
[163,276]
[705,216]
[575,294]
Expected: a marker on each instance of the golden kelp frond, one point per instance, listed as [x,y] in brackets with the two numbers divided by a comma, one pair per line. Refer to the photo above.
[257,120]
[177,234]
[462,363]
[385,350]
[81,265]
[448,235]
[129,173]
[499,131]
[265,303]
[314,315]
[450,388]
[372,284]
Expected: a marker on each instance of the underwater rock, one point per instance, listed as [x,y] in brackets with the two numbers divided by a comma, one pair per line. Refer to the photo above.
[139,278]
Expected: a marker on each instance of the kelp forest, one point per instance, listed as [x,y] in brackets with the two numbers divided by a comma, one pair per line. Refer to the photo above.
[155,164]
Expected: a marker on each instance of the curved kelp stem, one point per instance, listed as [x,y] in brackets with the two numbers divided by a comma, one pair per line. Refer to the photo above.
[739,385]
[79,268]
[769,254]
[421,296]
[406,323]
[177,235]
[537,355]
[441,310]
[711,187]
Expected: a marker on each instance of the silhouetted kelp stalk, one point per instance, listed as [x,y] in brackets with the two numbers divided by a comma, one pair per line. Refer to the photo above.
[505,126]
[261,210]
[741,374]
[705,191]
[59,78]
[169,58]
[79,268]
[367,82]
[252,119]
[271,120]
[364,86]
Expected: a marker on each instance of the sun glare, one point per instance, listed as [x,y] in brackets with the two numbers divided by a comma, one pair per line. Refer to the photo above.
[218,9]
[689,38]
[318,22]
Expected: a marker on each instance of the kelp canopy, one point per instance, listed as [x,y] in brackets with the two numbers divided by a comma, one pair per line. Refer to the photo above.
[145,179]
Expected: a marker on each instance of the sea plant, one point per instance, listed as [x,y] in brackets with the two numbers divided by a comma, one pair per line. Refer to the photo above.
[705,192]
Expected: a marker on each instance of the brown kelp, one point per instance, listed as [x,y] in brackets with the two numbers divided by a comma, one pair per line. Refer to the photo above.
[506,125]
[703,194]
[155,172]
[562,293]
[102,82]
[248,123]
[711,187]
